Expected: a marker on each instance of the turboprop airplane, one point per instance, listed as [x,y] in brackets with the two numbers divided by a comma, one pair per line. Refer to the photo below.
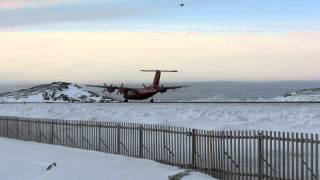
[140,93]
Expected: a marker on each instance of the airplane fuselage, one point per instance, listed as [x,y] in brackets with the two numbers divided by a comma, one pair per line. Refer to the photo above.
[140,93]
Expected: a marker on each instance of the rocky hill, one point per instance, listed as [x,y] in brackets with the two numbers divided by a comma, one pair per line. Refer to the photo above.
[54,92]
[304,95]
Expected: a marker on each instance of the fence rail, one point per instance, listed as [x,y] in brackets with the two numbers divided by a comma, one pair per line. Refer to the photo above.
[223,154]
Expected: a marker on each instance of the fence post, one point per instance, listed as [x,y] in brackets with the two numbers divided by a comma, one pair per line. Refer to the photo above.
[28,129]
[193,148]
[99,136]
[260,153]
[52,131]
[7,127]
[118,138]
[17,135]
[223,150]
[141,141]
[39,130]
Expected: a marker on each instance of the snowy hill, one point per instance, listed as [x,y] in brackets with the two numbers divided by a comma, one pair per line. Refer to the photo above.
[304,95]
[54,92]
[304,92]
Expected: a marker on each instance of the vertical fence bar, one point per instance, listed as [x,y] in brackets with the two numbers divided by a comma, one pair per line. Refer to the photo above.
[118,138]
[311,158]
[52,132]
[224,174]
[99,136]
[280,166]
[270,155]
[239,155]
[293,156]
[141,141]
[260,159]
[247,156]
[317,156]
[7,127]
[231,152]
[193,149]
[307,156]
[251,139]
[17,126]
[283,155]
[288,155]
[297,157]
[39,128]
[302,158]
[242,162]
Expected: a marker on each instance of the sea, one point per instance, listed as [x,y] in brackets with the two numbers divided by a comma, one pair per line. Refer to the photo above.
[209,91]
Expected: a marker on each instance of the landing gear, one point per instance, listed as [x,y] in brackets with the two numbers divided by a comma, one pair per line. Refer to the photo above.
[126,100]
[151,100]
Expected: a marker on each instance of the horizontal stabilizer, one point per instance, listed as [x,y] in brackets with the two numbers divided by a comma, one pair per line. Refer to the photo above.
[159,70]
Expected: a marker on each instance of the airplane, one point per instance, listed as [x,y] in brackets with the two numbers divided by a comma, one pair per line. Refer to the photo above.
[140,93]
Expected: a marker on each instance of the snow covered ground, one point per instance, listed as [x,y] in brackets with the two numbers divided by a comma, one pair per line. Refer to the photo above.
[22,160]
[293,98]
[300,117]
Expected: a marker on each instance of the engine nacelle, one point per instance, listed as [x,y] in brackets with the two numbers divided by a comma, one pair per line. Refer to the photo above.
[162,89]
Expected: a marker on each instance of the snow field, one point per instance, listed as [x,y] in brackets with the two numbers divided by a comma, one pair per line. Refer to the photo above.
[22,160]
[301,117]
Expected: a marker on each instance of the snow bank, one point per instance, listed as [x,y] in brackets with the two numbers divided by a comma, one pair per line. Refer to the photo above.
[301,117]
[54,92]
[22,160]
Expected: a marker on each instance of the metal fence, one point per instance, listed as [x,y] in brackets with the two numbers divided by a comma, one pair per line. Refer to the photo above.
[223,154]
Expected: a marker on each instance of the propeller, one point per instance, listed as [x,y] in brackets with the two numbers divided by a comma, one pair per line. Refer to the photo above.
[109,89]
[105,85]
[120,89]
[162,89]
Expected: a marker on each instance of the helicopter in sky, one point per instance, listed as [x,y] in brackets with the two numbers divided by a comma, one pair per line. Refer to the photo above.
[142,93]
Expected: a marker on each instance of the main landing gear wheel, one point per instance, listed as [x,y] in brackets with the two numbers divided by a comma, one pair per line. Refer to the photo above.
[151,100]
[126,100]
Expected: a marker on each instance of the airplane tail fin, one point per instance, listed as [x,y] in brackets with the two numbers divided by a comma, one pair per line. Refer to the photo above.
[157,76]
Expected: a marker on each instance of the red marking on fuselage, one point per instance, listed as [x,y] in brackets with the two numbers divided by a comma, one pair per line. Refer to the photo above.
[140,94]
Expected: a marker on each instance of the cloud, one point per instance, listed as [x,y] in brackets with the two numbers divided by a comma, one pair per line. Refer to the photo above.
[17,4]
[12,4]
[69,12]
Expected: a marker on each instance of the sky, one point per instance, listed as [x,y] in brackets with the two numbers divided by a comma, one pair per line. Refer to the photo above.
[111,40]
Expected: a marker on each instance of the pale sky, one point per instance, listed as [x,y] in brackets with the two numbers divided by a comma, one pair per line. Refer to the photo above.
[95,41]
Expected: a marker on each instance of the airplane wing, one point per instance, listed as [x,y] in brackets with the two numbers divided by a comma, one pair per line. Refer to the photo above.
[164,89]
[174,87]
[96,86]
[121,89]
